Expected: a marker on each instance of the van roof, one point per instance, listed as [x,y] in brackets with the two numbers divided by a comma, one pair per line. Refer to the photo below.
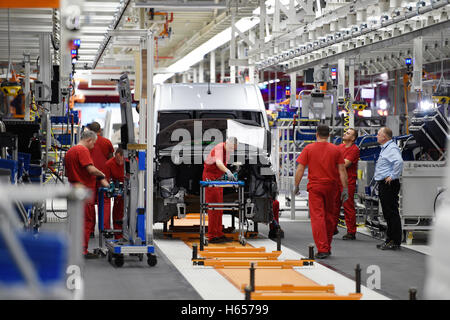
[194,96]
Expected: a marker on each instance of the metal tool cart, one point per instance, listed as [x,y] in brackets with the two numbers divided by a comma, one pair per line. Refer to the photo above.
[231,206]
[138,214]
[114,191]
[137,220]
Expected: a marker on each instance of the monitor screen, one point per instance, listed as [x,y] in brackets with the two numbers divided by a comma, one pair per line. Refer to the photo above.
[367,93]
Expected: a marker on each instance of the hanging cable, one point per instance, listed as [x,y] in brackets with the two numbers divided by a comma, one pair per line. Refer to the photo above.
[347,115]
[9,49]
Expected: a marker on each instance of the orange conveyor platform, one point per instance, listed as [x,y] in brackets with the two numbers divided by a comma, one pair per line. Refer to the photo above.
[260,274]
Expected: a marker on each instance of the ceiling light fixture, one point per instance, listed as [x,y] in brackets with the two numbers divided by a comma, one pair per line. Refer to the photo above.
[198,54]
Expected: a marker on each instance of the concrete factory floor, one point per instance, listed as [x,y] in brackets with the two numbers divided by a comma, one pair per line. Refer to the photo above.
[175,278]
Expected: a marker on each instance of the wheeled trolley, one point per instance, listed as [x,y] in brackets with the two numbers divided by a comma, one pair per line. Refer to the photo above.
[115,249]
[230,206]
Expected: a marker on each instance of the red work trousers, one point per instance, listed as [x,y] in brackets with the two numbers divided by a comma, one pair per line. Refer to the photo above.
[349,208]
[214,195]
[89,219]
[322,200]
[118,216]
[106,212]
[276,213]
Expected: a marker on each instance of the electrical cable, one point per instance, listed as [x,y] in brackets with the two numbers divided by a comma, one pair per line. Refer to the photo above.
[347,116]
[9,48]
[59,217]
[435,199]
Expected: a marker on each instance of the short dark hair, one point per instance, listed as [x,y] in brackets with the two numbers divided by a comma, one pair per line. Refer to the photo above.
[94,126]
[323,131]
[388,132]
[119,150]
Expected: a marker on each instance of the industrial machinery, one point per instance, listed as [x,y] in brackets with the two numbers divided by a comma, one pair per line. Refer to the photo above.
[135,239]
[421,187]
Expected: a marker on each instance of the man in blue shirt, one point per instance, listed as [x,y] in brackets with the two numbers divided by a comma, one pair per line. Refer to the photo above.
[387,173]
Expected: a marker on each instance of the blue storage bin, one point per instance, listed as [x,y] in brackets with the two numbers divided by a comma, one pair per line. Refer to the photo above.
[286,114]
[47,251]
[64,120]
[64,139]
[11,165]
[35,173]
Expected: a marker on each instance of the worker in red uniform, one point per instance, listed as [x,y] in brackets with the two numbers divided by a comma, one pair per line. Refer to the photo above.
[80,171]
[350,153]
[115,172]
[103,151]
[215,167]
[325,166]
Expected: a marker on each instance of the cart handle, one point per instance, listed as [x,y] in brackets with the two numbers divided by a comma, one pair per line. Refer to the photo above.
[221,183]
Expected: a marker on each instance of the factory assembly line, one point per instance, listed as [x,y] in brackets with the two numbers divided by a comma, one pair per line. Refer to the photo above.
[308,162]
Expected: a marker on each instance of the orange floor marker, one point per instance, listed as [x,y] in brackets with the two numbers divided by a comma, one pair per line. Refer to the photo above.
[241,255]
[286,264]
[234,249]
[303,296]
[273,279]
[289,288]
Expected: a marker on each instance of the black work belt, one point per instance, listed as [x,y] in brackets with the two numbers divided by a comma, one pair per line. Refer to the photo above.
[384,181]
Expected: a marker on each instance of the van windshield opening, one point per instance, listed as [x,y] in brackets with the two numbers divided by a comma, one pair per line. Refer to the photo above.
[165,119]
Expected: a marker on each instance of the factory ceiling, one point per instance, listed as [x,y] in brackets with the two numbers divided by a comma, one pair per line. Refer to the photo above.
[296,34]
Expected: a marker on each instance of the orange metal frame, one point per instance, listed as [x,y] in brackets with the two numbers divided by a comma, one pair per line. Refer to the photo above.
[288,288]
[24,4]
[305,296]
[241,255]
[233,263]
[280,264]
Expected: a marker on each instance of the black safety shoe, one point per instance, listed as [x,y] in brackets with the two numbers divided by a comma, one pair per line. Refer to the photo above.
[217,240]
[273,234]
[226,239]
[322,255]
[108,235]
[390,246]
[349,236]
[382,244]
[90,255]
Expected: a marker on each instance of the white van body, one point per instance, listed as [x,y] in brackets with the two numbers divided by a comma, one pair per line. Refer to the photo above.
[194,96]
[239,110]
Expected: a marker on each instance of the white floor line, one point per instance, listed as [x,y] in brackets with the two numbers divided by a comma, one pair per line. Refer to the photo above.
[209,283]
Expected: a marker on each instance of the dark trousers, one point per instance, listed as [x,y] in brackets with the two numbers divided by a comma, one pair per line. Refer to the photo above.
[388,194]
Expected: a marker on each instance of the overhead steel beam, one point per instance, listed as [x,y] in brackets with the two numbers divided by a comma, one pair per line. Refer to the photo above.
[114,24]
[181,5]
[393,42]
[340,39]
